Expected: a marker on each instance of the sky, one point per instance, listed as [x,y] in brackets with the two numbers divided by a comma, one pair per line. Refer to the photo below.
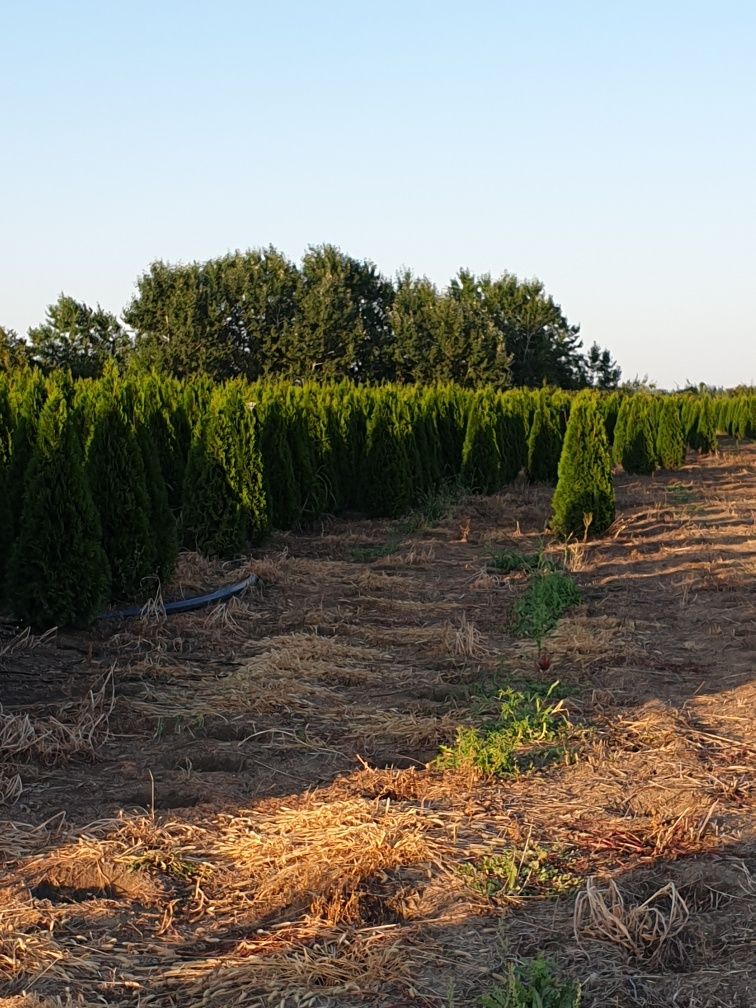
[607,148]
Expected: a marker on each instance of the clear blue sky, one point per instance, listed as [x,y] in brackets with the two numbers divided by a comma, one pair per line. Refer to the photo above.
[608,148]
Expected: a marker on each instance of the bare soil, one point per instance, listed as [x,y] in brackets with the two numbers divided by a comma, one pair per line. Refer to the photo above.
[236,806]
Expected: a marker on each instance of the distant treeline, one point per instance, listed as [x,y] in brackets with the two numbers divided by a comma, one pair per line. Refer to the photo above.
[101,481]
[257,315]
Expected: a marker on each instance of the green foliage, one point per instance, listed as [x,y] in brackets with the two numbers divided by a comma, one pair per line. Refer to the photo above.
[224,499]
[282,489]
[544,443]
[14,352]
[78,338]
[386,474]
[506,561]
[550,593]
[635,436]
[526,730]
[117,481]
[58,573]
[532,871]
[481,454]
[584,495]
[670,439]
[534,985]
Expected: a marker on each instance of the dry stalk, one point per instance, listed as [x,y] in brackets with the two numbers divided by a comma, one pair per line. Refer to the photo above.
[643,931]
[464,640]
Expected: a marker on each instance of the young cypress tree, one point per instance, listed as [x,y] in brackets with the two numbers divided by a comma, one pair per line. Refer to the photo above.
[279,478]
[638,450]
[117,480]
[58,572]
[584,487]
[670,441]
[481,454]
[28,393]
[386,476]
[706,428]
[224,498]
[544,443]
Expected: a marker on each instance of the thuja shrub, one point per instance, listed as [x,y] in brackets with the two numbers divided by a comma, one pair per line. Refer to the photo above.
[670,440]
[118,484]
[636,449]
[279,478]
[481,454]
[387,481]
[512,435]
[225,509]
[584,495]
[544,442]
[58,573]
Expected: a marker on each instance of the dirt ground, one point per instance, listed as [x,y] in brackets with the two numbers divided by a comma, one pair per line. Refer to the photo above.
[235,807]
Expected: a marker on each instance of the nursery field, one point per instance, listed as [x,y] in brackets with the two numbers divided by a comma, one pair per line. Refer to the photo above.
[366,783]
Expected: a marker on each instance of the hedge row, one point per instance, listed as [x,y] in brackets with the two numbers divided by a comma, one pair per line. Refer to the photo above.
[102,481]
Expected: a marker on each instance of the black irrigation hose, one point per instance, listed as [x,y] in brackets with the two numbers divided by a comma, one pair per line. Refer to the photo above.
[189,604]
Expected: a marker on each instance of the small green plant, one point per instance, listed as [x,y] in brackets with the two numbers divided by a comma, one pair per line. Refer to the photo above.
[532,871]
[527,730]
[171,864]
[366,554]
[680,493]
[533,985]
[507,561]
[548,596]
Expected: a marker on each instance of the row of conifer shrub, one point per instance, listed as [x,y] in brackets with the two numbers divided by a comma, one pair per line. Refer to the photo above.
[101,482]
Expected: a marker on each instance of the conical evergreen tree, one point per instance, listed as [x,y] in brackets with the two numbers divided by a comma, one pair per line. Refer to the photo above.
[117,480]
[58,572]
[481,455]
[28,393]
[512,435]
[670,441]
[638,447]
[386,475]
[224,499]
[544,443]
[584,487]
[279,478]
[705,426]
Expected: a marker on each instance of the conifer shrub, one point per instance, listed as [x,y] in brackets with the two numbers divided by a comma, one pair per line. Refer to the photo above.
[637,449]
[58,573]
[224,499]
[610,405]
[279,479]
[512,435]
[387,482]
[117,480]
[28,393]
[704,428]
[544,443]
[313,485]
[584,495]
[481,455]
[670,441]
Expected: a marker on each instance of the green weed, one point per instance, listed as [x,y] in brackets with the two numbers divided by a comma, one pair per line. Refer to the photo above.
[532,871]
[366,554]
[533,985]
[548,596]
[171,864]
[526,731]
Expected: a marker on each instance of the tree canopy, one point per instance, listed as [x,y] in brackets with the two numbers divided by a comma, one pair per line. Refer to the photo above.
[257,314]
